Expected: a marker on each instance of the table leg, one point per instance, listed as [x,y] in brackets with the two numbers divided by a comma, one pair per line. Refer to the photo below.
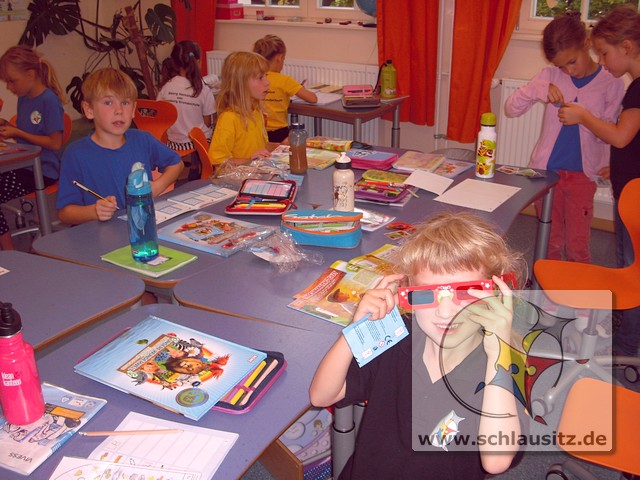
[544,229]
[357,130]
[395,128]
[343,438]
[41,197]
[317,126]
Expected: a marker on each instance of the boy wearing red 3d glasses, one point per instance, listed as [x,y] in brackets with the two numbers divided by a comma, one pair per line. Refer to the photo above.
[426,415]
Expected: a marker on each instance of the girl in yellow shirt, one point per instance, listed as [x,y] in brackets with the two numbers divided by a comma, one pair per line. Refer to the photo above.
[240,133]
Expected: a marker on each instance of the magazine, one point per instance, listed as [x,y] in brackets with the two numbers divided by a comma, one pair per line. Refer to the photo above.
[173,366]
[24,448]
[452,168]
[167,261]
[335,295]
[213,233]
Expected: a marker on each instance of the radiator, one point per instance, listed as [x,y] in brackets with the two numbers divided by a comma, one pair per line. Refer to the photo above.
[517,137]
[331,73]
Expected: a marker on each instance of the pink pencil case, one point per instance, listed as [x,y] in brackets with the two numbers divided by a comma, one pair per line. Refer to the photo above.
[248,392]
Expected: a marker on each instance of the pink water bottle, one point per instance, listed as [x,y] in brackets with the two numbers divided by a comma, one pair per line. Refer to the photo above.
[20,390]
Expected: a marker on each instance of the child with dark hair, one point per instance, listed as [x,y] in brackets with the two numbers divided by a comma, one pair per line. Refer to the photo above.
[576,154]
[183,86]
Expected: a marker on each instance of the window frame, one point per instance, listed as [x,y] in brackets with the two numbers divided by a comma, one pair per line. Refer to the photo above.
[308,10]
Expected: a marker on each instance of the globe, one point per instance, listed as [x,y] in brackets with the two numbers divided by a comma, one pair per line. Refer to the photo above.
[367,6]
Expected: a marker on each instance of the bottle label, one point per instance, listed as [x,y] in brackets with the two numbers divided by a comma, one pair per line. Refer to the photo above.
[11,379]
[486,159]
[343,198]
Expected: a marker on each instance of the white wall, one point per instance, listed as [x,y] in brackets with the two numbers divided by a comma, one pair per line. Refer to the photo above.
[66,53]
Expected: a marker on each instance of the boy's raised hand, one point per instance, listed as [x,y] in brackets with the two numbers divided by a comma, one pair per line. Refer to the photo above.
[379,301]
[494,314]
[106,208]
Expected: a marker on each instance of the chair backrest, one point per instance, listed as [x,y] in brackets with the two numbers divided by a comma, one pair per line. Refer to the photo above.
[202,147]
[628,209]
[68,126]
[155,116]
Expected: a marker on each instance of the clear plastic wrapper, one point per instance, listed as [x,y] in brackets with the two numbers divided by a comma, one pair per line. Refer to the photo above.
[283,253]
[231,175]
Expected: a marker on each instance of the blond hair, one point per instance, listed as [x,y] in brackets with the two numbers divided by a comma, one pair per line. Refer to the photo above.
[25,58]
[106,80]
[234,94]
[458,241]
[269,46]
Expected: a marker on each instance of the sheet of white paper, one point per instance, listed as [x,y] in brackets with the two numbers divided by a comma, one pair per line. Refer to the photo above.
[477,194]
[429,181]
[323,98]
[203,449]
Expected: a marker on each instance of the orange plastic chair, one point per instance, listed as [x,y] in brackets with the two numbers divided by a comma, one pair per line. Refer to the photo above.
[597,410]
[565,283]
[156,116]
[202,148]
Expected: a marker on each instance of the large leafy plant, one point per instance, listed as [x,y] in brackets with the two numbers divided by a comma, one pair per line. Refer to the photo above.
[116,44]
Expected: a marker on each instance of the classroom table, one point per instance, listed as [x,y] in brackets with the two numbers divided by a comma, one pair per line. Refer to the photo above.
[85,243]
[29,156]
[287,399]
[355,116]
[57,299]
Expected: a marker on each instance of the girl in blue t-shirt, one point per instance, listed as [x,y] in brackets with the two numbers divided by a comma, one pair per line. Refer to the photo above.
[40,121]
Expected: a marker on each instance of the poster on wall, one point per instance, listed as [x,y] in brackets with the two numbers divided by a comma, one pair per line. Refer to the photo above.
[13,10]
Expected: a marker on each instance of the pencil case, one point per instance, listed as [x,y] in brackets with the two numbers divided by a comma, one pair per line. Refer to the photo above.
[248,392]
[323,228]
[263,197]
[380,191]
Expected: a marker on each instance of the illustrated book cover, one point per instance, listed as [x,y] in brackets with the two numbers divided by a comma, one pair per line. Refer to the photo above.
[452,168]
[167,261]
[23,448]
[335,295]
[412,160]
[212,233]
[173,366]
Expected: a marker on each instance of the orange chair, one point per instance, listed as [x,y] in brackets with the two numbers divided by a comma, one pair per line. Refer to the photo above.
[565,283]
[156,116]
[597,410]
[202,148]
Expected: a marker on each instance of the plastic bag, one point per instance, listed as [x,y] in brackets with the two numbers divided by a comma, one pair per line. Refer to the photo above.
[231,175]
[283,253]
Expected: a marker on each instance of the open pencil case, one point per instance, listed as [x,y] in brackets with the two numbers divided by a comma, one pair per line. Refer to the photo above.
[263,197]
[380,191]
[248,392]
[323,228]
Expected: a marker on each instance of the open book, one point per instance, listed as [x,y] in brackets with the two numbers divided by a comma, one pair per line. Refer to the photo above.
[171,365]
[334,295]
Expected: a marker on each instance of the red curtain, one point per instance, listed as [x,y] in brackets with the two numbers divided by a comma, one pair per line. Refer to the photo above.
[408,35]
[196,24]
[481,32]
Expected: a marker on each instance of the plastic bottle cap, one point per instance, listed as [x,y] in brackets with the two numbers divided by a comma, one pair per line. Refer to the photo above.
[343,162]
[488,119]
[10,322]
[388,62]
[138,180]
[297,126]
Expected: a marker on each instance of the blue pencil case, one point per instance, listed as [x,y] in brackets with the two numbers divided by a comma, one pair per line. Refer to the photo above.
[323,228]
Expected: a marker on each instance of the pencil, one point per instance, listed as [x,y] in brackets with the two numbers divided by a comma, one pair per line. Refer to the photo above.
[130,432]
[88,190]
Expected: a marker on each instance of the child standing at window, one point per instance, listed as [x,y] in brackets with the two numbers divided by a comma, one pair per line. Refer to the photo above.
[183,86]
[430,378]
[281,88]
[616,39]
[39,122]
[576,154]
[240,133]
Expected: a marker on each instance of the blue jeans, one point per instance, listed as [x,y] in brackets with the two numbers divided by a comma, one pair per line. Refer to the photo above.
[627,338]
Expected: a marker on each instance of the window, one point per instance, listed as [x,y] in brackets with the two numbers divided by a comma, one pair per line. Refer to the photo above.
[535,14]
[307,9]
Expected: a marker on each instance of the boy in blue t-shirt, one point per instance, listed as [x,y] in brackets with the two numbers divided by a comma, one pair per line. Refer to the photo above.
[102,161]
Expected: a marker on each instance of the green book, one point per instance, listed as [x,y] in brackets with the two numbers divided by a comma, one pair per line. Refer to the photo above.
[167,261]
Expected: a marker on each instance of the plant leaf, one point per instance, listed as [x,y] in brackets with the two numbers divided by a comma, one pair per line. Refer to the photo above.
[162,23]
[75,87]
[50,16]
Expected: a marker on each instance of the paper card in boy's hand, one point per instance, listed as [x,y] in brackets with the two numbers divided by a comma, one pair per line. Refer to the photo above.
[369,338]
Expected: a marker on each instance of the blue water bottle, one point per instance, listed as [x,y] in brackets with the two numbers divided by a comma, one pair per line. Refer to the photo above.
[141,214]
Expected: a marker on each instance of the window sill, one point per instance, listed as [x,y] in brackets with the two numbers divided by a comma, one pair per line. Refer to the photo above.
[305,23]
